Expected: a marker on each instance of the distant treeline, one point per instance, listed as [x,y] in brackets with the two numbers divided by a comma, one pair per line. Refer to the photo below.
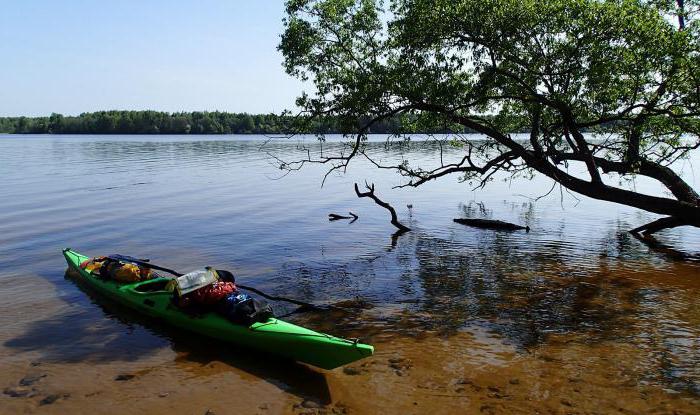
[146,122]
[154,122]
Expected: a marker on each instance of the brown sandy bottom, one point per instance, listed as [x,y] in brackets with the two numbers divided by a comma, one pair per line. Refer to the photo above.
[472,369]
[469,373]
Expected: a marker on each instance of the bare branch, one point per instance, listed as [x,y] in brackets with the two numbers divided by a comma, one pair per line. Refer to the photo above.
[371,195]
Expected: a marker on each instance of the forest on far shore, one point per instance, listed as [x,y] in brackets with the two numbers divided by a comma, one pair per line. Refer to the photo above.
[155,122]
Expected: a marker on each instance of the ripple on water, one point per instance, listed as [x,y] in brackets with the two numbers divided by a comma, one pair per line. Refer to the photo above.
[575,298]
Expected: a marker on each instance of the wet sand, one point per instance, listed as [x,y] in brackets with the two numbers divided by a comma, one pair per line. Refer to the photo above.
[430,375]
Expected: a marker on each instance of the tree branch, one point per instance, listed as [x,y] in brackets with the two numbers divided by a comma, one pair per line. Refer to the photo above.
[371,195]
[657,225]
[687,211]
[673,182]
[463,166]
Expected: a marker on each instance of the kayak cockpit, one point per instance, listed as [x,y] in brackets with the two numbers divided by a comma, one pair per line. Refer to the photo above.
[159,284]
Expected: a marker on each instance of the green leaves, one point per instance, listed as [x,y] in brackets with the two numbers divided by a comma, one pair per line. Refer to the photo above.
[587,64]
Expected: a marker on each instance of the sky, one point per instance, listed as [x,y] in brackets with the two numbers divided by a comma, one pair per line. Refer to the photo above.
[76,56]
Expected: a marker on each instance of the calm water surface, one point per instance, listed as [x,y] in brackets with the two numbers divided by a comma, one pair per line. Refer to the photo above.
[575,316]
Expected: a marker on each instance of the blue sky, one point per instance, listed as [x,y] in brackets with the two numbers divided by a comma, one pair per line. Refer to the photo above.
[79,56]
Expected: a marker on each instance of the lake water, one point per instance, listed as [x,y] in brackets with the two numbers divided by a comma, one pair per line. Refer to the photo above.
[575,316]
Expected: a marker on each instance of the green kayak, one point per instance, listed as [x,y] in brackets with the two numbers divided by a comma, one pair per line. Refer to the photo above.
[273,336]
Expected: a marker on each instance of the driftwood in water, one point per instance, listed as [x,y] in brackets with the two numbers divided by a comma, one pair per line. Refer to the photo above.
[334,216]
[370,193]
[492,224]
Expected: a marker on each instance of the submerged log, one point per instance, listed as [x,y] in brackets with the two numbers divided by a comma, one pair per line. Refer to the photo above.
[335,216]
[491,224]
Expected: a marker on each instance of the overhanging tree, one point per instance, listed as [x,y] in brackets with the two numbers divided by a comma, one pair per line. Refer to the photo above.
[555,68]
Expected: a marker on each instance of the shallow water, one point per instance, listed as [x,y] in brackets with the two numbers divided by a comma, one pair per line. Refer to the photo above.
[575,316]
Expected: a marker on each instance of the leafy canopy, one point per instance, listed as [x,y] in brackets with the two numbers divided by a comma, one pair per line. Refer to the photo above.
[552,67]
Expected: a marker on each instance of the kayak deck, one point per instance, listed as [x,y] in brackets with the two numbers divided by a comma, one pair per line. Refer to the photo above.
[273,336]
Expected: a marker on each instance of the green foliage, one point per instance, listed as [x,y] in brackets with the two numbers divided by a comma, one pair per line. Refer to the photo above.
[148,122]
[151,122]
[567,65]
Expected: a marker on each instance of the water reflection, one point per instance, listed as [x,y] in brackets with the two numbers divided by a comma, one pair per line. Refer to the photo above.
[526,296]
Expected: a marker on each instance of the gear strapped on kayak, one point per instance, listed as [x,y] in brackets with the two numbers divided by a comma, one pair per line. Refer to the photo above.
[195,292]
[227,275]
[106,267]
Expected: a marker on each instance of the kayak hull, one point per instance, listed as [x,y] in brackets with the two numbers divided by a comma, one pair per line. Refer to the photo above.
[274,336]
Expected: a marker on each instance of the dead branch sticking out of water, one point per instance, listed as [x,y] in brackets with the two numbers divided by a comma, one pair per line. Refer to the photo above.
[334,216]
[370,193]
[492,224]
